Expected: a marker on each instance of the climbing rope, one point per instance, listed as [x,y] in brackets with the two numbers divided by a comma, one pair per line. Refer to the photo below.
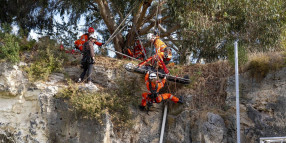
[111,37]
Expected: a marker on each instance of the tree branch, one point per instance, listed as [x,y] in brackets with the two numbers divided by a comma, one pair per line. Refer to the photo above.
[170,31]
[108,19]
[151,14]
[94,6]
[106,15]
[145,30]
[143,12]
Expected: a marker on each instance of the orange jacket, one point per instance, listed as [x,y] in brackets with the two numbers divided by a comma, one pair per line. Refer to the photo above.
[159,84]
[138,53]
[160,49]
[84,38]
[79,43]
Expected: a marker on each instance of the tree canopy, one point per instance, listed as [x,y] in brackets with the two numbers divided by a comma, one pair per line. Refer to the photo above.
[209,27]
[203,28]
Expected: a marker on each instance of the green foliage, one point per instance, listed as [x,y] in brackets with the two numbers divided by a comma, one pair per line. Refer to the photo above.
[26,14]
[89,105]
[242,55]
[94,105]
[26,45]
[42,68]
[5,28]
[47,59]
[208,25]
[10,49]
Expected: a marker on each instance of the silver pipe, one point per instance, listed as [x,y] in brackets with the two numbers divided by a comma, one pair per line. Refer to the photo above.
[163,124]
[237,93]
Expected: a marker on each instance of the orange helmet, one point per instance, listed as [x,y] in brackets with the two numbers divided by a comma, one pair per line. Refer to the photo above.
[90,30]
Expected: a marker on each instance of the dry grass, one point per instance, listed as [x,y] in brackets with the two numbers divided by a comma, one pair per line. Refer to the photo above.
[112,63]
[260,64]
[208,83]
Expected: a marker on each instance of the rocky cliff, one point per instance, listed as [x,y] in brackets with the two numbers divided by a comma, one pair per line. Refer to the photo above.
[29,111]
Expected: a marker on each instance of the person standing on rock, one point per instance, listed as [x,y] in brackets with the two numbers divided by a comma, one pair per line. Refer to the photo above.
[88,58]
[154,86]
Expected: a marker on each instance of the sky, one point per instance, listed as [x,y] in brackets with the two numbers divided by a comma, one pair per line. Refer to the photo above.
[34,34]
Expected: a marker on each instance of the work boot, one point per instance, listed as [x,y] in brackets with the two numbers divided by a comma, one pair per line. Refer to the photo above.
[142,108]
[181,100]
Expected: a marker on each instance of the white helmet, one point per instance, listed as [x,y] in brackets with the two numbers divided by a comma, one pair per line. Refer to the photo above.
[93,36]
[152,76]
[150,36]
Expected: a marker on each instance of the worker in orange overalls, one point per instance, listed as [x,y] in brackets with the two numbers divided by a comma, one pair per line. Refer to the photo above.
[163,53]
[139,51]
[84,38]
[154,86]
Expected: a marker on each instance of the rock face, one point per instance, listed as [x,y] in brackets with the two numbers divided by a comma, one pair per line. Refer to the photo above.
[262,107]
[34,115]
[214,130]
[30,113]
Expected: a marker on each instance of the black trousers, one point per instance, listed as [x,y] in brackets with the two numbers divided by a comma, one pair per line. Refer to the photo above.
[87,68]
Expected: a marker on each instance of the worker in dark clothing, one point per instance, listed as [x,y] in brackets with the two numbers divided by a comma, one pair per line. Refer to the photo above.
[88,58]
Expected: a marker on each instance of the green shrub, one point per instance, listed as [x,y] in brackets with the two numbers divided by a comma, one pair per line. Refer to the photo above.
[44,65]
[95,105]
[10,49]
[26,45]
[242,55]
[46,59]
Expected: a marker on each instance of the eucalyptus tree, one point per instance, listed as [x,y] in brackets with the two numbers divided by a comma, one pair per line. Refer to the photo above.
[106,15]
[209,27]
[26,14]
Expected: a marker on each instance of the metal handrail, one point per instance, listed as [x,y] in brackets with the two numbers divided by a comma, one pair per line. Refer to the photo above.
[272,139]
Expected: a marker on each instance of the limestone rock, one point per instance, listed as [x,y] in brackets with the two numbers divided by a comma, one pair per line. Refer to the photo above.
[12,80]
[214,130]
[262,106]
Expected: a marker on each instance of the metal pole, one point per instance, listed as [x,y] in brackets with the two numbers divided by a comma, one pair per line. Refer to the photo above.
[237,92]
[163,124]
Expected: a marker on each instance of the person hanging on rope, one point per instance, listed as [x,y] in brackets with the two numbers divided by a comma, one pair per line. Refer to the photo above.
[154,86]
[163,53]
[84,38]
[88,58]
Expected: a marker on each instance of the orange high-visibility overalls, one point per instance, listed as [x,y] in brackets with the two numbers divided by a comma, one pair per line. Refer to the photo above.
[154,96]
[162,55]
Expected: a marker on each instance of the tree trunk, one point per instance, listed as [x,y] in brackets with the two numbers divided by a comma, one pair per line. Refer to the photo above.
[108,18]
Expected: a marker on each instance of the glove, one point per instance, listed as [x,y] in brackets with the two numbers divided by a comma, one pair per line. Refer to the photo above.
[181,100]
[142,108]
[165,77]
